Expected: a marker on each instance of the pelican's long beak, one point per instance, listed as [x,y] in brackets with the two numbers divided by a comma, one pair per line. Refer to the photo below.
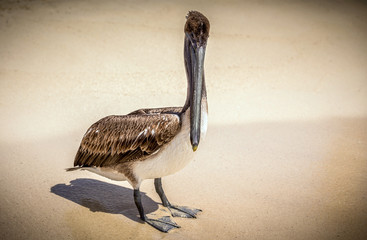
[197,67]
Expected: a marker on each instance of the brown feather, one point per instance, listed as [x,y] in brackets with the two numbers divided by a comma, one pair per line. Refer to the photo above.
[170,110]
[115,140]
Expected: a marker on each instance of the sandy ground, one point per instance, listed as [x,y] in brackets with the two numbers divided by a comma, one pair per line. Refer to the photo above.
[286,152]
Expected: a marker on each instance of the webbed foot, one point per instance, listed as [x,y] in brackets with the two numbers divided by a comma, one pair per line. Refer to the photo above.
[176,211]
[182,211]
[164,224]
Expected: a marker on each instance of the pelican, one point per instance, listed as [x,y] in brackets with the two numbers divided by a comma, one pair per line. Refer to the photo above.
[156,142]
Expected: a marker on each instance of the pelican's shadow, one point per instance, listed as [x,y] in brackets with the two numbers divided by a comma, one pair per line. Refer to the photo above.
[100,196]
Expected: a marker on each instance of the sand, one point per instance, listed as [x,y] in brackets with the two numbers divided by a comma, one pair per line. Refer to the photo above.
[286,151]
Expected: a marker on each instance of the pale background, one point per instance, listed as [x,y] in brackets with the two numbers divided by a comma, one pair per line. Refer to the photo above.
[286,152]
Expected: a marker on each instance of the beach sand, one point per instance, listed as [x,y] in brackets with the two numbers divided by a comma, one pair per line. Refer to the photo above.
[285,156]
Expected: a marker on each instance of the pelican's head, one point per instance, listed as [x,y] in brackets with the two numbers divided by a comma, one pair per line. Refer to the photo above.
[196,36]
[197,28]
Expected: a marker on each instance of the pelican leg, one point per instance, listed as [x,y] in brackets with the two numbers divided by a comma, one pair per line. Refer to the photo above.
[163,224]
[176,211]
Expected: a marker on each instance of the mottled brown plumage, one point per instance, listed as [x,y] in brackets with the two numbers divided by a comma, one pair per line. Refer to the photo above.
[169,110]
[114,140]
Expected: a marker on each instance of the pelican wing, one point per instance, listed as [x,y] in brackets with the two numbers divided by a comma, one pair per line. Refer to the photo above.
[118,139]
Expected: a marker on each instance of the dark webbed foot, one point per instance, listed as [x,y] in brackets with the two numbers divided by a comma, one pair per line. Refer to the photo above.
[182,211]
[176,211]
[163,224]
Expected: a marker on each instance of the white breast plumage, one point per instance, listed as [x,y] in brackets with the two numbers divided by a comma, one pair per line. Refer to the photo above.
[174,156]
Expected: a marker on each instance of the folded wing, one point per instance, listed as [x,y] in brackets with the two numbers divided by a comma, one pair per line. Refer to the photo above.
[118,139]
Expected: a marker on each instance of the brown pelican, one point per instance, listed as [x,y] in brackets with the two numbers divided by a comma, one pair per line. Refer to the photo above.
[153,143]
